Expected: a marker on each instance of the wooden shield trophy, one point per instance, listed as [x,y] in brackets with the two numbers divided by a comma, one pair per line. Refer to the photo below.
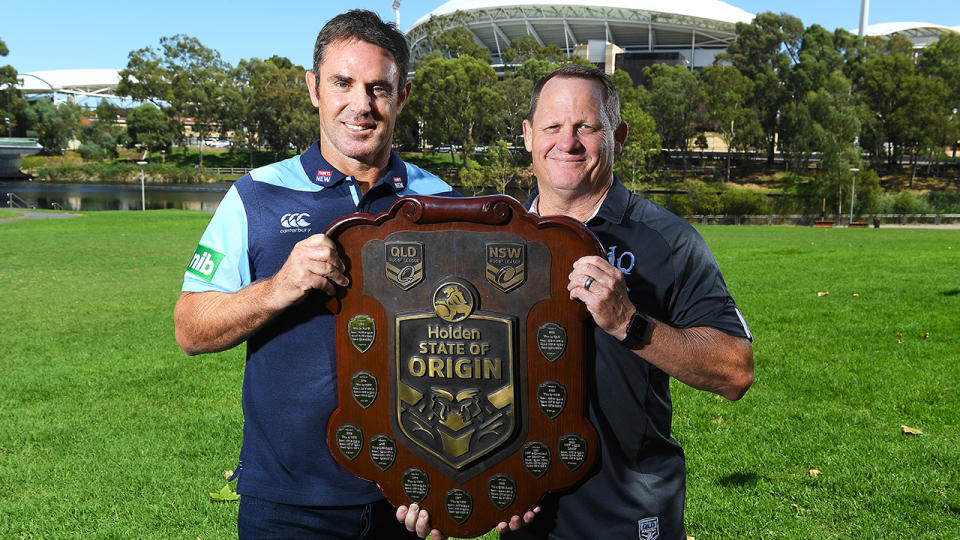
[460,357]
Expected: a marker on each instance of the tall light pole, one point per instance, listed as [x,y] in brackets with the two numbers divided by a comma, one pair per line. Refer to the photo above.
[7,90]
[853,190]
[143,191]
[396,11]
[864,15]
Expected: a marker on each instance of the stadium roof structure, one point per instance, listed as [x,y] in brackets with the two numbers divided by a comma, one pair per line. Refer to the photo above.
[649,26]
[920,34]
[97,83]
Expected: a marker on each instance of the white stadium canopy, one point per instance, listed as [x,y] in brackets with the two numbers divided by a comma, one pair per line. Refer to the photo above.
[96,83]
[696,29]
[920,34]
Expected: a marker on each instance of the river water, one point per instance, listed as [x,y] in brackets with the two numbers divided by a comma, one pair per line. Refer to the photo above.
[75,196]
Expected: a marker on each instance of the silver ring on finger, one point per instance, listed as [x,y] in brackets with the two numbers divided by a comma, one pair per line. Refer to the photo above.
[589,281]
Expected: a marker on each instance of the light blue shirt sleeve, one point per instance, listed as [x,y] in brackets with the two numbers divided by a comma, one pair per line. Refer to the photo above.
[220,262]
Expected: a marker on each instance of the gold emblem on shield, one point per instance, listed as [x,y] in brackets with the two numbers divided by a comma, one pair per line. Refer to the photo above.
[453,302]
[404,263]
[506,265]
[456,390]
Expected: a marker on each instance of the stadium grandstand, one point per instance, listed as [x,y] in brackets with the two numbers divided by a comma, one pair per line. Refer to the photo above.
[631,33]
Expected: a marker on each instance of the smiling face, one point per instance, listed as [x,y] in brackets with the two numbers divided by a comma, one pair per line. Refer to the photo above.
[570,138]
[358,95]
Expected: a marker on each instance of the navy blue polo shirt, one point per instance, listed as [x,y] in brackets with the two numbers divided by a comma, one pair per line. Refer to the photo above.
[637,488]
[289,383]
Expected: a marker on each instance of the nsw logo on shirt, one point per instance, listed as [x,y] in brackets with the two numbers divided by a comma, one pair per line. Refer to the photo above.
[295,222]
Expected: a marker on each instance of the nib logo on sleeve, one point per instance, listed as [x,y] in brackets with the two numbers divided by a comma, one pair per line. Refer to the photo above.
[205,263]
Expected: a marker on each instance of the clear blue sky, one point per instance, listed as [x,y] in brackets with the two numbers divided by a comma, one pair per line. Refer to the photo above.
[71,35]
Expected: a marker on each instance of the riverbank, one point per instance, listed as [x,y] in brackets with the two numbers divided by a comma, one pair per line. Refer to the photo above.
[110,196]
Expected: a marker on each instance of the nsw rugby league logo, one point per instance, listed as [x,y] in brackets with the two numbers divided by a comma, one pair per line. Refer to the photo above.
[506,266]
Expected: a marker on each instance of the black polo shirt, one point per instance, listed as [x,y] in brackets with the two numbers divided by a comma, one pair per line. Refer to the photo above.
[637,489]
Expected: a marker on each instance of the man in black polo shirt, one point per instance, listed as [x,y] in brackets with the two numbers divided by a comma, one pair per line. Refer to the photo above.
[661,309]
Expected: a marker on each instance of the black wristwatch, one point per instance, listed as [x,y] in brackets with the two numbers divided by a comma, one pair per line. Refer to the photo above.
[636,331]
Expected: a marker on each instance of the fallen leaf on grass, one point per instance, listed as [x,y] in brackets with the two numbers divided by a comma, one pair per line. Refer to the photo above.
[718,420]
[824,293]
[227,474]
[941,493]
[856,294]
[907,430]
[926,336]
[226,494]
[815,472]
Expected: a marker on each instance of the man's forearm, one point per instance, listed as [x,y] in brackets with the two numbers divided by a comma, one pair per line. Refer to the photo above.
[704,358]
[217,321]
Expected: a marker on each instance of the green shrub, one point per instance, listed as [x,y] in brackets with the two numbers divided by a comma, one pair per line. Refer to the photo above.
[703,198]
[945,203]
[122,173]
[91,152]
[743,202]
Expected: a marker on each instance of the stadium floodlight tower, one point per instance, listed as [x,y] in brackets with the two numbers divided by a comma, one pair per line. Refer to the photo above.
[396,11]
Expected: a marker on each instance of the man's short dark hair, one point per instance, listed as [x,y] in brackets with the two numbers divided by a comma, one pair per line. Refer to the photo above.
[611,98]
[363,25]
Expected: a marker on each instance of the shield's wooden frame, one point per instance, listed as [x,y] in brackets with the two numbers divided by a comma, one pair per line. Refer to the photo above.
[471,502]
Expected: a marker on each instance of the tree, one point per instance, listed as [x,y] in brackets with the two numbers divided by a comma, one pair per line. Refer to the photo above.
[835,124]
[528,48]
[498,171]
[458,41]
[273,103]
[107,112]
[454,98]
[675,102]
[643,142]
[184,76]
[941,61]
[764,51]
[726,92]
[534,68]
[148,126]
[12,102]
[52,125]
[446,36]
[884,80]
[923,121]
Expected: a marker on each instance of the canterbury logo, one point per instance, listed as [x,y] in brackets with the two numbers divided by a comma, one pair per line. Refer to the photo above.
[296,219]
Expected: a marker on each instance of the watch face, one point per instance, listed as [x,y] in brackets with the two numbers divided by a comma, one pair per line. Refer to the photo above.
[636,330]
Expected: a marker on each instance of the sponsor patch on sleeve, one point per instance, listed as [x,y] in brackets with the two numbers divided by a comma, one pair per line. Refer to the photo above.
[205,262]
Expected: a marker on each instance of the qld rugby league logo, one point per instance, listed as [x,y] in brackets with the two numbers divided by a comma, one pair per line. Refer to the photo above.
[404,263]
[506,266]
[456,380]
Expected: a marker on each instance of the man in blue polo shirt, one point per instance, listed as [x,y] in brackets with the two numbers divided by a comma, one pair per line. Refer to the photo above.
[661,310]
[262,271]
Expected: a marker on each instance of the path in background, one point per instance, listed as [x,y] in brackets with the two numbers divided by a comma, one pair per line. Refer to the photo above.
[27,214]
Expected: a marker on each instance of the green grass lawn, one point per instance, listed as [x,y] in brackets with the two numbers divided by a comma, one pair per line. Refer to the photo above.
[9,214]
[108,431]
